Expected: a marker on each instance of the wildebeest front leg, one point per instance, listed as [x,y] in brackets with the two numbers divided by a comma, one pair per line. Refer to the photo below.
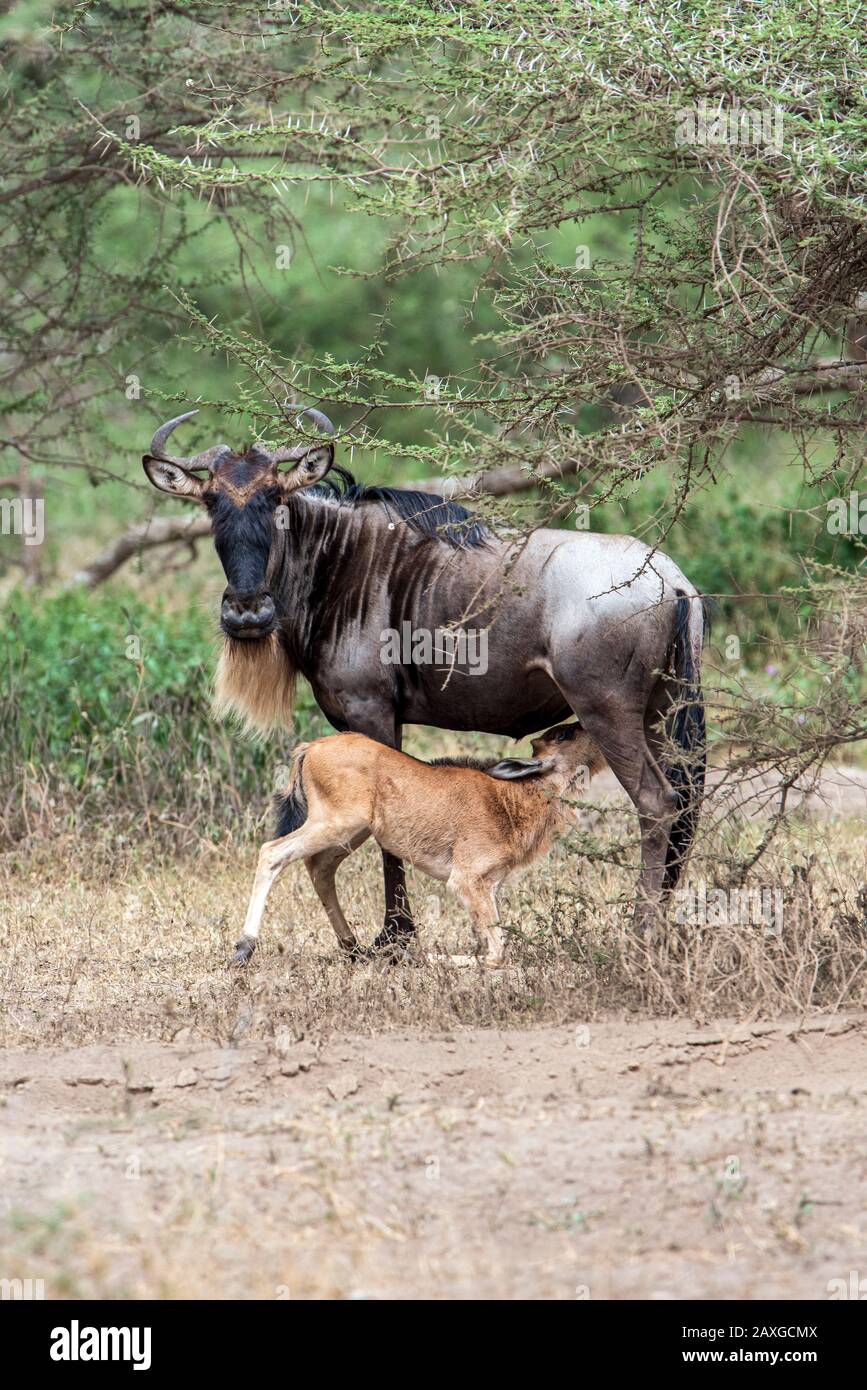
[399,925]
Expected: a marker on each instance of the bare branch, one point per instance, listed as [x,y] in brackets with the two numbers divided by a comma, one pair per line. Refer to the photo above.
[144,536]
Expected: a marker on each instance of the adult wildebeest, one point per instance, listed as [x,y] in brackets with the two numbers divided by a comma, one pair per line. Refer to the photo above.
[319,569]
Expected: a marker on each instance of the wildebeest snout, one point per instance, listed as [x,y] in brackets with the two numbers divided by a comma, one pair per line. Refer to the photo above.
[249,615]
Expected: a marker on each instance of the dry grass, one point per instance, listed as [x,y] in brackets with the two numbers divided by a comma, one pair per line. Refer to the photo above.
[107,941]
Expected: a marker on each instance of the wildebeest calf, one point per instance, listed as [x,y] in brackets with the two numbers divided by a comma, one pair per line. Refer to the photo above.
[467,823]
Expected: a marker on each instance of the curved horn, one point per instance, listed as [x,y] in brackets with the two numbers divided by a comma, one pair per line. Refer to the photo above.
[295,451]
[322,421]
[208,458]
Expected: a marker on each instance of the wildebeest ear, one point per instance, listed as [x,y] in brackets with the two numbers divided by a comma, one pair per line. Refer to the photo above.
[170,477]
[310,464]
[510,769]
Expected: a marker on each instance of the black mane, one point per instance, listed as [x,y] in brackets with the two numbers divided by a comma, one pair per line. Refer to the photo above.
[425,512]
[478,764]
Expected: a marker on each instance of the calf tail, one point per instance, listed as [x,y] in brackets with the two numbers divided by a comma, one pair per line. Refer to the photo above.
[290,807]
[687,731]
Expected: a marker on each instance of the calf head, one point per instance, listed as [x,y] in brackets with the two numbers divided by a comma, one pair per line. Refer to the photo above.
[567,751]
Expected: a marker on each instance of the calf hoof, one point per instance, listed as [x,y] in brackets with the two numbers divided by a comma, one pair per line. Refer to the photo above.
[243,950]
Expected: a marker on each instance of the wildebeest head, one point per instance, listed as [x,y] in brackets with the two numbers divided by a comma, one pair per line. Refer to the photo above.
[242,493]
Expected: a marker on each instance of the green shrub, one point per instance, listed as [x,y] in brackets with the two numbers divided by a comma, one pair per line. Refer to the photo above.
[105,707]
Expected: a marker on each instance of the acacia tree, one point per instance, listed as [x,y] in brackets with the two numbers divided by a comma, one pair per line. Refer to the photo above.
[725,144]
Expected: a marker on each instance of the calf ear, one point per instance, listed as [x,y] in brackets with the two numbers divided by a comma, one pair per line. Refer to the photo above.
[510,769]
[170,477]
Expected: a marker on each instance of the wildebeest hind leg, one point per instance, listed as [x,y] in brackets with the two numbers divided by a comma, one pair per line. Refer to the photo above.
[619,729]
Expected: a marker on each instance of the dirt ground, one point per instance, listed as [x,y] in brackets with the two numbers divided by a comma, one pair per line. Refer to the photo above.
[637,1159]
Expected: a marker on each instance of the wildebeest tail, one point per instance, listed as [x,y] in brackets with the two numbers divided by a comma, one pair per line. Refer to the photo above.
[686,771]
[290,807]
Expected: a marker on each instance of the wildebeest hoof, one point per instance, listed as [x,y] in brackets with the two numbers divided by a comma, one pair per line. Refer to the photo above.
[394,948]
[353,952]
[243,950]
[395,952]
[399,933]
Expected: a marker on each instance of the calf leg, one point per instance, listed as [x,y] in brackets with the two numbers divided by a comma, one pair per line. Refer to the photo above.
[322,869]
[480,900]
[274,856]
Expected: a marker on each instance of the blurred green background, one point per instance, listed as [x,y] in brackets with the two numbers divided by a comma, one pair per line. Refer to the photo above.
[105,692]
